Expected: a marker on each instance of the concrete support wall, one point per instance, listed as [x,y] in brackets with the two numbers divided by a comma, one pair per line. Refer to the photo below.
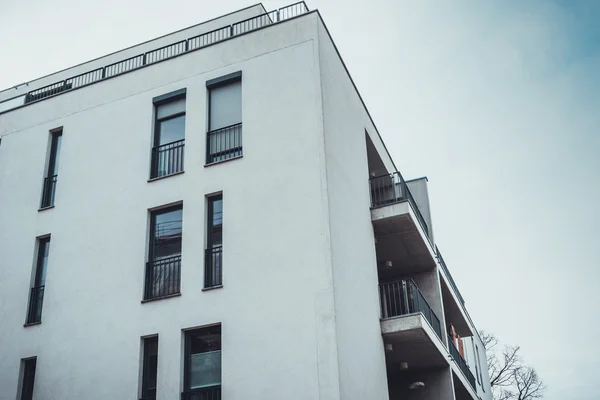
[438,385]
[418,189]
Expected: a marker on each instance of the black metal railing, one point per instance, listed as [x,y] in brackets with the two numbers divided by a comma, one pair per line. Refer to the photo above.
[209,393]
[48,191]
[452,283]
[460,361]
[213,267]
[163,277]
[36,298]
[148,398]
[404,297]
[166,52]
[224,143]
[167,159]
[392,188]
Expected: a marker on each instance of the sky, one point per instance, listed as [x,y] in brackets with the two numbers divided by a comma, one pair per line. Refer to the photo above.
[496,102]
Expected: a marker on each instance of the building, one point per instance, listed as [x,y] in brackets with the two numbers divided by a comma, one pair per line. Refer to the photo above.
[284,257]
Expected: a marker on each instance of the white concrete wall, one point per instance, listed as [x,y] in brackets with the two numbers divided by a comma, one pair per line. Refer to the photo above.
[484,390]
[135,50]
[359,345]
[276,307]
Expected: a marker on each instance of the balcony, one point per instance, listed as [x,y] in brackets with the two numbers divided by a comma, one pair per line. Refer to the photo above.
[402,234]
[48,191]
[167,159]
[210,393]
[213,267]
[461,363]
[410,326]
[404,297]
[454,304]
[163,278]
[36,298]
[224,143]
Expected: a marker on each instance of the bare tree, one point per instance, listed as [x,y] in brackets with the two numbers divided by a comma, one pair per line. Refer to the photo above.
[528,385]
[509,378]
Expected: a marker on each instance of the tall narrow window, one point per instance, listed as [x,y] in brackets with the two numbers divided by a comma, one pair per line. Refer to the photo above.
[149,368]
[163,270]
[169,134]
[49,188]
[224,137]
[28,378]
[213,268]
[36,297]
[478,365]
[202,368]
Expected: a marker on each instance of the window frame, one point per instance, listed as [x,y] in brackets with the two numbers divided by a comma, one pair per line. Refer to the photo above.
[157,102]
[151,259]
[151,237]
[52,168]
[214,84]
[27,386]
[187,353]
[210,240]
[146,347]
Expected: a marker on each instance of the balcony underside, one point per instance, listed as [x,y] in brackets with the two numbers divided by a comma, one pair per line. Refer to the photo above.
[401,240]
[413,342]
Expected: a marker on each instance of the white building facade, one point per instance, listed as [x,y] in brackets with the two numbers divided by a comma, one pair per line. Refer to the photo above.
[213,214]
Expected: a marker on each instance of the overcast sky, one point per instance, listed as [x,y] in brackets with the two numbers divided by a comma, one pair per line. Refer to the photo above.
[497,103]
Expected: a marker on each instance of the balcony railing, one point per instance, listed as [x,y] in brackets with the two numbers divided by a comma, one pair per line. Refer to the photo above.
[159,54]
[213,267]
[404,297]
[210,393]
[36,298]
[452,283]
[48,191]
[163,277]
[462,364]
[392,188]
[224,143]
[167,159]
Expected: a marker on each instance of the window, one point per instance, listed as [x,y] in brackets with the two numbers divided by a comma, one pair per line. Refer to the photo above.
[202,368]
[49,188]
[27,378]
[149,368]
[224,137]
[163,269]
[169,134]
[36,296]
[213,265]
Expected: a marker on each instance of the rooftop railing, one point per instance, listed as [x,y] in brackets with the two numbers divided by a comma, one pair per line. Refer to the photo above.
[157,55]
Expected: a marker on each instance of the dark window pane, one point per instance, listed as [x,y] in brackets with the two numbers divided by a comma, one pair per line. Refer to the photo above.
[55,152]
[217,222]
[150,368]
[43,251]
[28,379]
[167,234]
[171,130]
